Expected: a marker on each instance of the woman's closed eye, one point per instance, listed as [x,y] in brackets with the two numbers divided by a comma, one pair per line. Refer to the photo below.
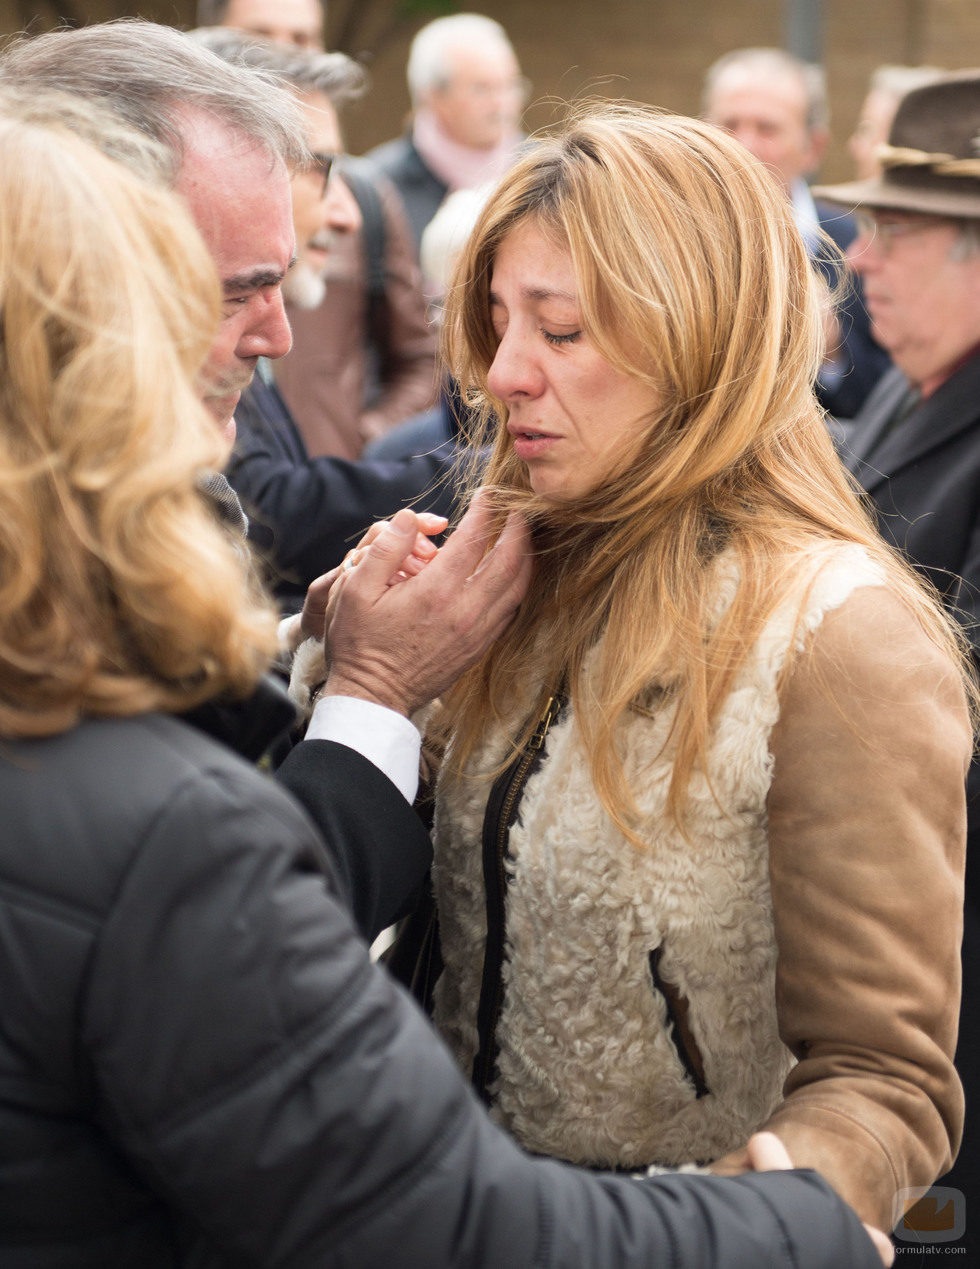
[558,340]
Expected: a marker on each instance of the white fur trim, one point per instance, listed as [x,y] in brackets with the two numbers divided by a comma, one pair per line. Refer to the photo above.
[588,1069]
[308,672]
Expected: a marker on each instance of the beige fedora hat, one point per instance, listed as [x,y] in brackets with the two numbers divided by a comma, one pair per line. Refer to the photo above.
[931,163]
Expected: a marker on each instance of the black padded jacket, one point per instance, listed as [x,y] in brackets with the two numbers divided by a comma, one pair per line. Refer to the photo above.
[201,1067]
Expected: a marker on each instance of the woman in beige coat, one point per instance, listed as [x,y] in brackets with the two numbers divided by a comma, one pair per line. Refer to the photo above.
[700,821]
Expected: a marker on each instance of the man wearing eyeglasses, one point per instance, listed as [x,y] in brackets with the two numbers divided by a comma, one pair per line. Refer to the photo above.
[915,445]
[306,509]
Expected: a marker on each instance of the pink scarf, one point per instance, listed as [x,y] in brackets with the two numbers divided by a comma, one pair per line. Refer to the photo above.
[460,166]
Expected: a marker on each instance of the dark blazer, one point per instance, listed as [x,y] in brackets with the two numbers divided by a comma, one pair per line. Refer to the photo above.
[306,513]
[923,479]
[421,190]
[864,361]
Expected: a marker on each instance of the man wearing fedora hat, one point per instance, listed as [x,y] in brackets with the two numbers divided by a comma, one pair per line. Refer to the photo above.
[915,445]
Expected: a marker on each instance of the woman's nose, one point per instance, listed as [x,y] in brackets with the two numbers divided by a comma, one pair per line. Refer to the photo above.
[514,372]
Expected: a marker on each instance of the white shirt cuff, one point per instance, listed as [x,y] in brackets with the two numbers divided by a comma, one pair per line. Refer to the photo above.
[387,739]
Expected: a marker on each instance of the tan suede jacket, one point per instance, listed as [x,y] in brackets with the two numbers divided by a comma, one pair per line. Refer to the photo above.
[871,751]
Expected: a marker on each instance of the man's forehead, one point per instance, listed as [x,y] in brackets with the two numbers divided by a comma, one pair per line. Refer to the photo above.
[322,123]
[468,62]
[239,197]
[208,140]
[772,91]
[303,16]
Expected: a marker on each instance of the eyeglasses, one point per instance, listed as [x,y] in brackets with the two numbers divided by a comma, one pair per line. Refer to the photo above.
[884,232]
[322,163]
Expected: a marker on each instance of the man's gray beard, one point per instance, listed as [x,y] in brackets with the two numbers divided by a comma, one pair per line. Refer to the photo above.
[303,287]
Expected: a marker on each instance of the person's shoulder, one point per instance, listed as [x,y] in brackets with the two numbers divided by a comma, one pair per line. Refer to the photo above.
[149,756]
[376,193]
[81,806]
[876,642]
[392,156]
[402,164]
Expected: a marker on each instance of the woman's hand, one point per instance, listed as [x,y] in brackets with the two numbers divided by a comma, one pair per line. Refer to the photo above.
[318,596]
[766,1153]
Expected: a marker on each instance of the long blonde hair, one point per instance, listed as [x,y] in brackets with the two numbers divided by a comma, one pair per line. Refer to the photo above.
[693,278]
[119,591]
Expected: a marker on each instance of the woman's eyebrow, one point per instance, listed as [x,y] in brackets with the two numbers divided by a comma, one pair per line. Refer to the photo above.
[538,293]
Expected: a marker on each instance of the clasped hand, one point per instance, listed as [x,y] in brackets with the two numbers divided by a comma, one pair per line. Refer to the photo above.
[402,645]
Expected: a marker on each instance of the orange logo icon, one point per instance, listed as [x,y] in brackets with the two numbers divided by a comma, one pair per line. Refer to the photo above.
[928,1217]
[929,1214]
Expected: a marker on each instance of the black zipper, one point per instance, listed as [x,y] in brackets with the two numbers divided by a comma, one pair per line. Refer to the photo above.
[499,818]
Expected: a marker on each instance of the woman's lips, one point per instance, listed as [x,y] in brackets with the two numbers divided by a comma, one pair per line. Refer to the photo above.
[529,444]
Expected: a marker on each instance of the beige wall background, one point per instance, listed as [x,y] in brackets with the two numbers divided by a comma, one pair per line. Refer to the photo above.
[653,51]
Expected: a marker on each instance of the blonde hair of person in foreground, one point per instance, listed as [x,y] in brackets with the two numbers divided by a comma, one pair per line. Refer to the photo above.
[119,591]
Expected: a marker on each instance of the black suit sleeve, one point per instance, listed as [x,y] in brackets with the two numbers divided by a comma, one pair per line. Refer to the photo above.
[378,843]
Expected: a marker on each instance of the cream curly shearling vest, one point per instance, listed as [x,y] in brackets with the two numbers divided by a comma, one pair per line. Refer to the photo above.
[590,1066]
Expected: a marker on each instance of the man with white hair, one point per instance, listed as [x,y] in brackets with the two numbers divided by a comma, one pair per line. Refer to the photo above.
[776,105]
[321,1123]
[467,98]
[363,363]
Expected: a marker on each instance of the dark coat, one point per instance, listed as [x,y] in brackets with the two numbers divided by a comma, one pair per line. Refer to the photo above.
[306,513]
[421,190]
[200,1065]
[923,479]
[864,360]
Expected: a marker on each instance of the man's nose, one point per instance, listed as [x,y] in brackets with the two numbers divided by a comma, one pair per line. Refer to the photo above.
[863,253]
[268,334]
[340,210]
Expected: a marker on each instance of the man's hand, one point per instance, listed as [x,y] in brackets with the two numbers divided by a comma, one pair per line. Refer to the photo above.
[401,646]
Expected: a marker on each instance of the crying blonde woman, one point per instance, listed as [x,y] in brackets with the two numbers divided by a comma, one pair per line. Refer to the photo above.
[700,820]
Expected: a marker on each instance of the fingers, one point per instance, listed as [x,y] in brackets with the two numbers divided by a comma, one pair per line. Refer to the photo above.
[468,543]
[388,551]
[767,1153]
[315,604]
[429,526]
[883,1244]
[511,555]
[505,570]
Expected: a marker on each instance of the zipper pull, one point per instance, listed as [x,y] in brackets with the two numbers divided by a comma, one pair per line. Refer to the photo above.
[541,731]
